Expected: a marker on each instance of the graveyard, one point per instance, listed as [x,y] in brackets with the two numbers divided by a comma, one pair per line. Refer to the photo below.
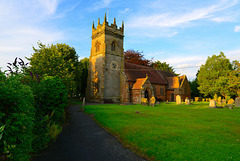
[173,132]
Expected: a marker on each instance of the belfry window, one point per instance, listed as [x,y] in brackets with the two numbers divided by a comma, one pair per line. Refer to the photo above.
[97,46]
[113,46]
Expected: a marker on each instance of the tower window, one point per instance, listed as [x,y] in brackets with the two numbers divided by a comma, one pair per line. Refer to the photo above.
[97,46]
[113,46]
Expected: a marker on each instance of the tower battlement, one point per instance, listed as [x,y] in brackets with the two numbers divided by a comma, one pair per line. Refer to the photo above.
[106,28]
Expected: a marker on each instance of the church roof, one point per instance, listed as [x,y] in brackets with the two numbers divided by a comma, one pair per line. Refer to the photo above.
[134,72]
[139,83]
[175,82]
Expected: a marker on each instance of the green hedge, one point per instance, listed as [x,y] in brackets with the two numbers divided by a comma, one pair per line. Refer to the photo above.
[16,118]
[32,113]
[50,102]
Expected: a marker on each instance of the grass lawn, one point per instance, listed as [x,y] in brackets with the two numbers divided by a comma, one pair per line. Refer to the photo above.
[173,132]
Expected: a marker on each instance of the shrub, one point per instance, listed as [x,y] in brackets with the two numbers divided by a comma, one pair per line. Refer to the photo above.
[50,102]
[16,118]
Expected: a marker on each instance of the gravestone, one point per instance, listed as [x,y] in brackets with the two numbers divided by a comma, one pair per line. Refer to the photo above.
[144,101]
[219,101]
[212,104]
[197,99]
[187,101]
[224,102]
[207,99]
[230,103]
[152,101]
[237,102]
[203,99]
[178,100]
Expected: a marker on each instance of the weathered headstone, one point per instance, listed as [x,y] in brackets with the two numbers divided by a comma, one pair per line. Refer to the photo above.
[219,101]
[237,102]
[203,99]
[167,102]
[196,99]
[178,100]
[207,99]
[187,101]
[144,101]
[230,103]
[212,104]
[152,101]
[224,102]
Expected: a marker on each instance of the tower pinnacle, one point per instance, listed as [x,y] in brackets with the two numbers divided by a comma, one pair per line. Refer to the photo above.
[105,18]
[93,25]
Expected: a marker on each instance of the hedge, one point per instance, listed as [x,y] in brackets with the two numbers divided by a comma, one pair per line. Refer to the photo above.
[16,119]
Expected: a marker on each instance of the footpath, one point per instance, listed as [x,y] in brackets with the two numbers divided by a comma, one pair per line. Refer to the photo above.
[83,140]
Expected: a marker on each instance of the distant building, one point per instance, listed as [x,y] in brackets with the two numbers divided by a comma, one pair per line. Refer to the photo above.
[110,79]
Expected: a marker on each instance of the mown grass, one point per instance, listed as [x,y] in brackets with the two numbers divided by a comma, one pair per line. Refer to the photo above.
[174,132]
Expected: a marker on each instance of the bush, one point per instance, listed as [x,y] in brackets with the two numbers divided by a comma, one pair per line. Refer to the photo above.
[50,102]
[16,118]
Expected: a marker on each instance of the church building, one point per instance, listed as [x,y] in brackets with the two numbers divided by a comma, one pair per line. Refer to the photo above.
[111,79]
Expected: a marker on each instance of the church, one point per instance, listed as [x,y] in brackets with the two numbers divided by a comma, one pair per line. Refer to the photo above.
[112,80]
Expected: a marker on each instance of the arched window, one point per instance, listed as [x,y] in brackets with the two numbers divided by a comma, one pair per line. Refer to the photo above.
[113,46]
[97,46]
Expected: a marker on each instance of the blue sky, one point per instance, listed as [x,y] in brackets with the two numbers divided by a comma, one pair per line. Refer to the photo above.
[182,33]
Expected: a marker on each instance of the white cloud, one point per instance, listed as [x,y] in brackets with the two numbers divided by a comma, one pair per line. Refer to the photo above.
[174,19]
[100,4]
[237,29]
[125,11]
[223,19]
[233,54]
[24,25]
[50,6]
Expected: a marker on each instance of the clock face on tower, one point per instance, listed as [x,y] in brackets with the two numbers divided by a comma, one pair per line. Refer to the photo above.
[114,65]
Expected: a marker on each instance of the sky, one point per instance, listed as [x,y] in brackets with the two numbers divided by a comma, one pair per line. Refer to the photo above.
[182,33]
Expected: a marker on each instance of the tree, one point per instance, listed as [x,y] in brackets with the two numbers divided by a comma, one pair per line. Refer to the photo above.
[136,57]
[210,76]
[233,80]
[194,88]
[84,64]
[56,60]
[163,66]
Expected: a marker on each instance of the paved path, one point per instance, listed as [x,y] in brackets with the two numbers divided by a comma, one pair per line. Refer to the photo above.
[83,140]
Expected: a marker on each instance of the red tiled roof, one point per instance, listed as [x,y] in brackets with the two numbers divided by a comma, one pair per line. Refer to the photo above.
[139,83]
[134,71]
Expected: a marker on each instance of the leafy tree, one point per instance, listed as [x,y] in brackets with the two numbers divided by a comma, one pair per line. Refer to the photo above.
[84,64]
[232,82]
[194,88]
[163,66]
[136,57]
[56,60]
[215,71]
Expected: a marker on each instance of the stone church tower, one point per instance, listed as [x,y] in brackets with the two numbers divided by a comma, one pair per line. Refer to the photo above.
[106,62]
